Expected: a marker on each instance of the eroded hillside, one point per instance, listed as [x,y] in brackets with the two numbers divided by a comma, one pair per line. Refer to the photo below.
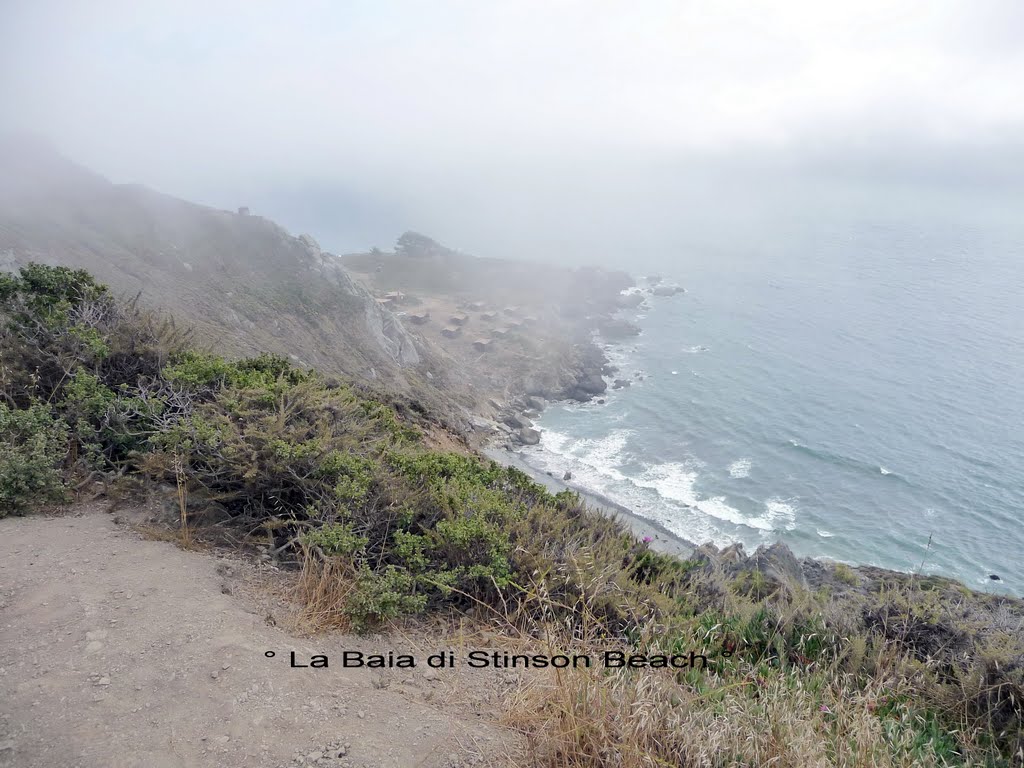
[242,282]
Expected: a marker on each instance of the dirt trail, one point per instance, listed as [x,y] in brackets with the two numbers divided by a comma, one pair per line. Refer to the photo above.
[121,652]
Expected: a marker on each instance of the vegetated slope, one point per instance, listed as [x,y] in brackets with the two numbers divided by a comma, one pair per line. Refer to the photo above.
[241,281]
[815,665]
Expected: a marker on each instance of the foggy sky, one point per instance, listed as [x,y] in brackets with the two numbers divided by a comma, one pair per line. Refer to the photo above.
[477,121]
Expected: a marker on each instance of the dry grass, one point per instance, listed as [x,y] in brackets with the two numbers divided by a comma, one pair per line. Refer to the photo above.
[322,591]
[870,702]
[863,698]
[741,716]
[181,482]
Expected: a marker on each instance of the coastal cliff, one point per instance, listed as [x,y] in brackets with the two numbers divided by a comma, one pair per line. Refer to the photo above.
[327,464]
[240,281]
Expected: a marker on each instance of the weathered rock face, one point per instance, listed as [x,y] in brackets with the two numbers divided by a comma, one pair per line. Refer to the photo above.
[381,325]
[779,569]
[311,245]
[777,564]
[592,384]
[536,402]
[528,436]
[517,421]
[617,328]
[732,555]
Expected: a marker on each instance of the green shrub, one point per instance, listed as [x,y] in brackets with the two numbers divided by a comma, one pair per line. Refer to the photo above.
[381,596]
[203,371]
[336,540]
[33,444]
[845,574]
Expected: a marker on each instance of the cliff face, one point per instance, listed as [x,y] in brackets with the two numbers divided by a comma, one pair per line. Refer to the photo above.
[243,282]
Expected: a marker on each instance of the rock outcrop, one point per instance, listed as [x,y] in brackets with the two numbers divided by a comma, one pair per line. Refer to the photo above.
[668,290]
[528,436]
[615,328]
[775,565]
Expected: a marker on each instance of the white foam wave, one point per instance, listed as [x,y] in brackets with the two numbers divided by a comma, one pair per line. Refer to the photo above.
[884,471]
[554,442]
[778,514]
[603,455]
[740,468]
[675,481]
[825,534]
[665,493]
[696,349]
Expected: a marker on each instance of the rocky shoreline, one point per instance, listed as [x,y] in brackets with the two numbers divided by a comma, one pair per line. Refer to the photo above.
[589,374]
[592,377]
[777,566]
[656,536]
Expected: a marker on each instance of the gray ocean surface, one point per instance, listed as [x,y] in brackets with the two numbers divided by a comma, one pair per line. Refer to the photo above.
[850,382]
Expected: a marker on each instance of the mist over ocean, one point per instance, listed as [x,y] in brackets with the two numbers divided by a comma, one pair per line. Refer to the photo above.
[850,382]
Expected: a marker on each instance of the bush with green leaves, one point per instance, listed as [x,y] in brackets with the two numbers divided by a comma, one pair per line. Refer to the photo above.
[33,446]
[65,340]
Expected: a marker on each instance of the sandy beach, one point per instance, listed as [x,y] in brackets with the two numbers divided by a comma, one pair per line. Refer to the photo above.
[662,540]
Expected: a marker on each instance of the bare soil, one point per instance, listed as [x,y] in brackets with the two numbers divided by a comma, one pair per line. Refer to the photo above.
[123,651]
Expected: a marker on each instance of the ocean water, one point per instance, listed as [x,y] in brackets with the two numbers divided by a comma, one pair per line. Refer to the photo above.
[852,385]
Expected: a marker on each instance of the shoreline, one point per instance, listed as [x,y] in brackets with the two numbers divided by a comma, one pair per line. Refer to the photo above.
[665,542]
[661,539]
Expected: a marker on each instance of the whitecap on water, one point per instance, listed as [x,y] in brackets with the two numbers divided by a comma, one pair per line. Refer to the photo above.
[740,468]
[675,481]
[825,534]
[672,481]
[778,513]
[554,442]
[601,456]
[884,471]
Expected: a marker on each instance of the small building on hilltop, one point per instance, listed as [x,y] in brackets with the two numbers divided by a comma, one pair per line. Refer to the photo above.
[451,331]
[483,345]
[459,318]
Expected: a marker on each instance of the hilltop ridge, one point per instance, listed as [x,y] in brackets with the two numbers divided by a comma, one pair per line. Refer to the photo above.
[245,285]
[242,281]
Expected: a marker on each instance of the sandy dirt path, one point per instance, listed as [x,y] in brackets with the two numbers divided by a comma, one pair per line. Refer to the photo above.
[122,652]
